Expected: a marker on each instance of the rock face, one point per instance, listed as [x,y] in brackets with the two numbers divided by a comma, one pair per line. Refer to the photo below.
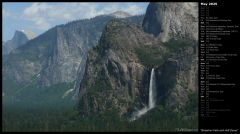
[114,78]
[72,42]
[179,21]
[58,55]
[178,77]
[171,19]
[118,70]
[29,34]
[18,39]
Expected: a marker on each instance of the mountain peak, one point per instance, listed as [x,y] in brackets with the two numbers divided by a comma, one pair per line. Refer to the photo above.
[28,33]
[120,14]
[19,39]
[19,35]
[18,32]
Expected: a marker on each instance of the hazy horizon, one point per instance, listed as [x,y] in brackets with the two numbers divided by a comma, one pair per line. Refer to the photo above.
[39,17]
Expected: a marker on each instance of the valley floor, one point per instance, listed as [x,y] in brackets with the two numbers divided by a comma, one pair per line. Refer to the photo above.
[37,118]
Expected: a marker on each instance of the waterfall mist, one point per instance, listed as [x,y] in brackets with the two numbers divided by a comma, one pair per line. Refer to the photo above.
[151,98]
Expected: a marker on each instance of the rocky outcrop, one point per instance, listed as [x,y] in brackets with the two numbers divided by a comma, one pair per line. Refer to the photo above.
[114,77]
[73,41]
[172,19]
[178,77]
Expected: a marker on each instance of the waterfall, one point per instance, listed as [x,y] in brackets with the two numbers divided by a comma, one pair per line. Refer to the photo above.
[151,98]
[67,92]
[152,89]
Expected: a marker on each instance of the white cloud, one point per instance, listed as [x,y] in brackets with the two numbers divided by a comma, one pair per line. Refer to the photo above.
[5,13]
[134,9]
[38,14]
[36,8]
[41,23]
[45,15]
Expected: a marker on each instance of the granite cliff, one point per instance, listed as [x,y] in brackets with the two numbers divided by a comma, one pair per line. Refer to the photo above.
[59,54]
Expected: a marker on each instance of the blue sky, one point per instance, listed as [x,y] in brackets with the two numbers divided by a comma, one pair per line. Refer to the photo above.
[39,17]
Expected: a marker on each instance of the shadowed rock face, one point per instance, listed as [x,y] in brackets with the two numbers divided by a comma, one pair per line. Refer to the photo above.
[170,19]
[114,73]
[114,78]
[177,78]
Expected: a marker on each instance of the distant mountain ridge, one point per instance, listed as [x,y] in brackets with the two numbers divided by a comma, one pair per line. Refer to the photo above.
[58,55]
[19,39]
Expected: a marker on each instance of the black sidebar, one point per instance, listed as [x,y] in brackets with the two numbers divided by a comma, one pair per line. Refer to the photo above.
[219,51]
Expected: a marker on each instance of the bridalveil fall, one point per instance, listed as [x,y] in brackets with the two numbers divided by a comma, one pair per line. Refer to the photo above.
[151,98]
